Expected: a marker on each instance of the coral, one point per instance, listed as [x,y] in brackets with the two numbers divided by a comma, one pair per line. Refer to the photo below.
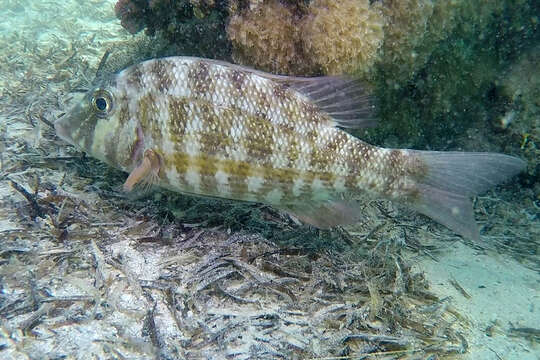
[287,36]
[405,28]
[344,36]
[192,27]
[414,28]
[269,38]
[521,91]
[327,36]
[131,14]
[437,76]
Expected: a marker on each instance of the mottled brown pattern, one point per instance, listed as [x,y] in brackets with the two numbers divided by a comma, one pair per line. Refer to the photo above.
[366,154]
[293,151]
[261,101]
[122,110]
[199,80]
[238,79]
[395,159]
[290,111]
[321,159]
[280,92]
[179,161]
[415,167]
[207,168]
[239,171]
[111,150]
[238,85]
[334,144]
[215,135]
[282,178]
[178,117]
[351,182]
[327,178]
[394,162]
[134,78]
[355,158]
[258,141]
[309,110]
[162,72]
[218,136]
[148,116]
[408,171]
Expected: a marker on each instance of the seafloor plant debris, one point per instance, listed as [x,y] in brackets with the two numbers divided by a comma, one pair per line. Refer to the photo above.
[531,334]
[459,288]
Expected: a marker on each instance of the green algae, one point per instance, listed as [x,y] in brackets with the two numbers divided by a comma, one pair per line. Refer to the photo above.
[456,89]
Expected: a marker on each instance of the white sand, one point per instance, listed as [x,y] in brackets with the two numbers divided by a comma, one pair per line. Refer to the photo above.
[501,291]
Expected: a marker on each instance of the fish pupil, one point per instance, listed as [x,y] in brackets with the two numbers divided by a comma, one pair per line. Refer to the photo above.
[101,104]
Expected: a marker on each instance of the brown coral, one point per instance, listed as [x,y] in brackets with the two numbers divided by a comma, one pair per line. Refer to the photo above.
[343,36]
[414,28]
[327,36]
[131,14]
[407,24]
[269,38]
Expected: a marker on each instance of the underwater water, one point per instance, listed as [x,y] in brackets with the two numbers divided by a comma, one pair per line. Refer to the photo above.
[90,270]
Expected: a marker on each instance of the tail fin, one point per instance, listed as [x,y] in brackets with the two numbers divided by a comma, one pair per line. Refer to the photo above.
[452,178]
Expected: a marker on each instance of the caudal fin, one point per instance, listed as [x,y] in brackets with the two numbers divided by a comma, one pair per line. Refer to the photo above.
[452,178]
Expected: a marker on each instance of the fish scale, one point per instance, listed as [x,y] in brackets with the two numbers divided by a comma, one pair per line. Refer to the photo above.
[211,128]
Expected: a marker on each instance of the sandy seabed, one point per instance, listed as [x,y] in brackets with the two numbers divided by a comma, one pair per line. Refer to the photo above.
[87,273]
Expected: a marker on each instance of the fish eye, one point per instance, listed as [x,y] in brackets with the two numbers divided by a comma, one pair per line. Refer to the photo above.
[102,102]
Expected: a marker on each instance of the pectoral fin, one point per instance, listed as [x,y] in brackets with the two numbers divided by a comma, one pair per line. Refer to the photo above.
[147,172]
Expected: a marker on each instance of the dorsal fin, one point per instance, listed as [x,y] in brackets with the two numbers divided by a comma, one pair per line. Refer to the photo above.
[344,99]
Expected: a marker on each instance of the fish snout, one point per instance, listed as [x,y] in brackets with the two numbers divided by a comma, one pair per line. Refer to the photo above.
[61,130]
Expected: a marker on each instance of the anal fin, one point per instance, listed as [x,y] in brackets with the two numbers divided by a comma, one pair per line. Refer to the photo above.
[325,214]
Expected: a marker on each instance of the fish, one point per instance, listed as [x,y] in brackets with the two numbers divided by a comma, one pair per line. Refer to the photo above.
[210,128]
